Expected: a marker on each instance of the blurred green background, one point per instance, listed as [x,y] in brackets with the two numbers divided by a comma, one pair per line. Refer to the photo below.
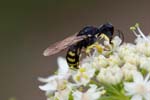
[27,27]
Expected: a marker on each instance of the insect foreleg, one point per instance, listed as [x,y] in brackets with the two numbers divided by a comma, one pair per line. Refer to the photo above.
[105,37]
[95,45]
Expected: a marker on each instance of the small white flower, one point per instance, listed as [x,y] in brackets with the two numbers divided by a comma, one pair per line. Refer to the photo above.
[145,63]
[63,70]
[93,93]
[144,47]
[84,74]
[139,88]
[62,94]
[56,82]
[116,42]
[126,49]
[114,60]
[88,59]
[53,85]
[128,70]
[142,41]
[110,75]
[100,61]
[132,58]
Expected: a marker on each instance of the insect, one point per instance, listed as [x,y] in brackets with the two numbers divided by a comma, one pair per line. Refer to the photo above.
[75,43]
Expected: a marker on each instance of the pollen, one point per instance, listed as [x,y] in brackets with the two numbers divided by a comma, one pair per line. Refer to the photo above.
[137,25]
[82,69]
[132,28]
[85,76]
[99,48]
[78,78]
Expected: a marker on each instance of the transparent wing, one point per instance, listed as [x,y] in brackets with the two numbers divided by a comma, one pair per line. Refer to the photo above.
[61,45]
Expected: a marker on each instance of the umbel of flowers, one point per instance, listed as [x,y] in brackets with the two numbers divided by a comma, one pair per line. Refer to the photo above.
[119,72]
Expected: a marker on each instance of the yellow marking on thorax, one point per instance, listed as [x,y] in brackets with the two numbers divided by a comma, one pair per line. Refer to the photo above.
[71,59]
[71,53]
[103,36]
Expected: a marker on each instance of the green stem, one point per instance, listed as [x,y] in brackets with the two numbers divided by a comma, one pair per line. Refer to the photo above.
[113,92]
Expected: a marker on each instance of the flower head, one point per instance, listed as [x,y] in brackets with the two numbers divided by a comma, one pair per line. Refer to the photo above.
[110,75]
[100,62]
[139,88]
[128,70]
[145,63]
[110,71]
[58,81]
[93,93]
[84,74]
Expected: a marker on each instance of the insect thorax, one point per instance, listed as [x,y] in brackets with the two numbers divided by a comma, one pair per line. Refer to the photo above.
[88,31]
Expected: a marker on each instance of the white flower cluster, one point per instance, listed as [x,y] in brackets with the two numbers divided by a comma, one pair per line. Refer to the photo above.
[119,72]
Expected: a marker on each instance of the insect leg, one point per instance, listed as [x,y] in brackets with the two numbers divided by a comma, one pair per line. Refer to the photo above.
[95,45]
[103,36]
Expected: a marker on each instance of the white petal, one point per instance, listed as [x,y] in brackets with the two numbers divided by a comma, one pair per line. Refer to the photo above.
[49,86]
[50,78]
[129,87]
[93,88]
[147,96]
[117,41]
[147,78]
[137,77]
[96,95]
[136,97]
[63,66]
[62,95]
[91,72]
[77,95]
[92,92]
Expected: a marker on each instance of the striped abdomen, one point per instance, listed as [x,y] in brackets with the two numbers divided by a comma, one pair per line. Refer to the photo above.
[73,54]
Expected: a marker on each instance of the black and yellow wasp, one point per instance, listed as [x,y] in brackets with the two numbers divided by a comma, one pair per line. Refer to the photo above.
[86,37]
